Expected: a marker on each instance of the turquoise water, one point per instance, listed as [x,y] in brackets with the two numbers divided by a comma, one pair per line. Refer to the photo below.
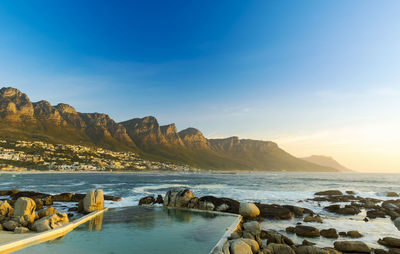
[141,230]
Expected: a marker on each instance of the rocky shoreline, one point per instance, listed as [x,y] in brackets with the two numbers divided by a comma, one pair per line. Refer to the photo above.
[250,238]
[29,211]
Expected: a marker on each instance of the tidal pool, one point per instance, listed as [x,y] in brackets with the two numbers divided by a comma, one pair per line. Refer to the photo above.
[142,230]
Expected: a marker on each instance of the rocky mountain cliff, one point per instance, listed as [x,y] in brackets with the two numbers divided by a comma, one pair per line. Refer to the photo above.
[22,119]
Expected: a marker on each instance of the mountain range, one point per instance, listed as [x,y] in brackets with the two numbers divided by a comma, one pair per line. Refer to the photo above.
[22,119]
[326,161]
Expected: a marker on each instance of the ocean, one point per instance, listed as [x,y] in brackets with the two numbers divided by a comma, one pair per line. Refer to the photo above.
[278,188]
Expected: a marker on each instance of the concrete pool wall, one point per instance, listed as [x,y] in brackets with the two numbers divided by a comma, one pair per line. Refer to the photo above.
[35,238]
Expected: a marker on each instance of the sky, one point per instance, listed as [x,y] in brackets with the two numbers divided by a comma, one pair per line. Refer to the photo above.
[317,77]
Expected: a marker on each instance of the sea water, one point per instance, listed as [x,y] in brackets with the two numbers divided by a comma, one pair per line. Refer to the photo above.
[278,188]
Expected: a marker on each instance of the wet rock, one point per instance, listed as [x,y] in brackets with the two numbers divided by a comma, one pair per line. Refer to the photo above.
[380,251]
[28,194]
[8,192]
[275,248]
[305,242]
[329,193]
[205,205]
[310,250]
[50,222]
[310,218]
[235,235]
[346,210]
[390,242]
[353,234]
[329,233]
[24,206]
[239,246]
[6,209]
[274,237]
[397,223]
[298,211]
[39,204]
[307,231]
[21,230]
[10,225]
[373,214]
[249,210]
[274,211]
[93,201]
[159,199]
[178,198]
[392,194]
[291,230]
[63,197]
[344,234]
[46,212]
[222,204]
[350,192]
[394,251]
[147,200]
[352,246]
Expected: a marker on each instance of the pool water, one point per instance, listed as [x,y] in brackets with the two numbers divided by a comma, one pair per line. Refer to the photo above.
[142,230]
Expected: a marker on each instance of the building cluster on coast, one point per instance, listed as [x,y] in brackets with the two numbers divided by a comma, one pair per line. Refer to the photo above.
[22,155]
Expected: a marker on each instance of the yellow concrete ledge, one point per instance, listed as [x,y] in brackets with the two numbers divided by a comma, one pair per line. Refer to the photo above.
[232,228]
[36,238]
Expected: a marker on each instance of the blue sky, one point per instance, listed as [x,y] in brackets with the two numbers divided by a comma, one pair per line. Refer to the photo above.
[318,77]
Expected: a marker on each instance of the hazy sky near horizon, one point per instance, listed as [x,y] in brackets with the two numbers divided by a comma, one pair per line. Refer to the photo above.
[317,77]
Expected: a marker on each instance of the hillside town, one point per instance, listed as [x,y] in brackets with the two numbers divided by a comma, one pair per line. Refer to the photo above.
[23,155]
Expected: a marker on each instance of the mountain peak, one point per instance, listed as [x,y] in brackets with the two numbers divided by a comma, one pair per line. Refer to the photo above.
[326,161]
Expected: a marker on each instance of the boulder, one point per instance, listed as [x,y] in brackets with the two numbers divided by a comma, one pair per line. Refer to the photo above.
[352,246]
[298,211]
[308,243]
[329,233]
[274,237]
[274,211]
[346,210]
[353,234]
[390,242]
[308,249]
[329,193]
[275,248]
[179,198]
[291,230]
[255,247]
[394,251]
[46,212]
[307,231]
[28,194]
[380,251]
[24,206]
[147,200]
[159,199]
[249,210]
[397,223]
[310,218]
[50,222]
[21,230]
[239,246]
[205,205]
[10,225]
[222,204]
[252,227]
[5,209]
[93,201]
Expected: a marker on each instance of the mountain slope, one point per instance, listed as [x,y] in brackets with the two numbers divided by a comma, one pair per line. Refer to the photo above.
[326,161]
[22,119]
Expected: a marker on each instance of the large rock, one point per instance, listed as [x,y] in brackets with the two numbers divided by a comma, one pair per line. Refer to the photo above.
[222,204]
[21,230]
[147,200]
[329,233]
[63,197]
[249,210]
[352,246]
[390,242]
[275,248]
[51,222]
[93,201]
[274,237]
[24,206]
[179,198]
[275,211]
[392,194]
[6,209]
[239,246]
[255,247]
[346,210]
[307,231]
[310,250]
[310,218]
[252,227]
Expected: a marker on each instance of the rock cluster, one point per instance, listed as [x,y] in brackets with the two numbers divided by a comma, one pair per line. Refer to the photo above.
[20,213]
